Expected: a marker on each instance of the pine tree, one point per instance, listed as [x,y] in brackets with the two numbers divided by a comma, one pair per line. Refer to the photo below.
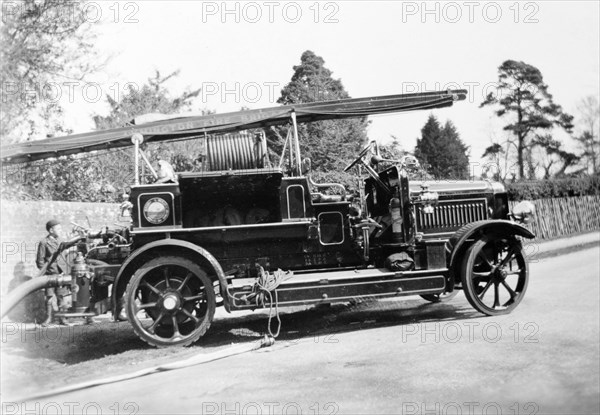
[522,95]
[330,144]
[441,151]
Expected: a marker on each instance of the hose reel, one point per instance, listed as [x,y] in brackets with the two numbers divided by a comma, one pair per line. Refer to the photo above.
[236,152]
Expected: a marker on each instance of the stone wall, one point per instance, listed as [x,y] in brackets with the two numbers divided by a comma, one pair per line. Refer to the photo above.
[23,224]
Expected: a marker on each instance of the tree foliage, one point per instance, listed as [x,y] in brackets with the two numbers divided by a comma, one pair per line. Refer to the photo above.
[556,155]
[441,151]
[589,139]
[149,98]
[330,144]
[102,176]
[549,188]
[523,97]
[44,44]
[152,97]
[392,150]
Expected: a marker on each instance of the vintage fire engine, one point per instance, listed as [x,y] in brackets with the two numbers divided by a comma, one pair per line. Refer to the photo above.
[249,232]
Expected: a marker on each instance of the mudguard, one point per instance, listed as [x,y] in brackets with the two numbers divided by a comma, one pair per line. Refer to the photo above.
[182,247]
[456,243]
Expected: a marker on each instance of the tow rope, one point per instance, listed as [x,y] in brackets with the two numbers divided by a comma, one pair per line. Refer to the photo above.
[266,285]
[265,289]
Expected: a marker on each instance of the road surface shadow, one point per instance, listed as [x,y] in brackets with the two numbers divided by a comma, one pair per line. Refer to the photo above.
[82,343]
[36,357]
[301,323]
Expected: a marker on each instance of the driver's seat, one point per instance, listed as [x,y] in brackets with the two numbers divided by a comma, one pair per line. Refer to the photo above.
[318,197]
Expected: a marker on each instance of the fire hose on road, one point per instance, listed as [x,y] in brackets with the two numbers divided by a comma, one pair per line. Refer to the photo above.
[47,281]
[23,290]
[192,361]
[39,282]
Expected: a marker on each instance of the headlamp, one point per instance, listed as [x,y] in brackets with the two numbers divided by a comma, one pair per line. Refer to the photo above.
[156,210]
[524,211]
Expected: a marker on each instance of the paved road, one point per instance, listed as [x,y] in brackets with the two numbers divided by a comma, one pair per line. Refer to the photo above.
[396,356]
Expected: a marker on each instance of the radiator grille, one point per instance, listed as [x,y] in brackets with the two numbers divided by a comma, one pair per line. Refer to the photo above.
[451,214]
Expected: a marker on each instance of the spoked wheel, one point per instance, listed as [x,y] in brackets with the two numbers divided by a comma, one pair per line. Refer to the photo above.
[170,301]
[495,275]
[440,298]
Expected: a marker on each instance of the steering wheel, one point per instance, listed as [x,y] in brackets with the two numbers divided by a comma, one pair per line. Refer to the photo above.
[362,153]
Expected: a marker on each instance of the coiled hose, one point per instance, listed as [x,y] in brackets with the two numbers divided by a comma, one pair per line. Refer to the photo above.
[235,152]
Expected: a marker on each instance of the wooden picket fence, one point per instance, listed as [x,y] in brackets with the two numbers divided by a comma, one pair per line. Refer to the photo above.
[563,216]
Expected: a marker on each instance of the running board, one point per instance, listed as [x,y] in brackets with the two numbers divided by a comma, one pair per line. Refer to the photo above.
[332,286]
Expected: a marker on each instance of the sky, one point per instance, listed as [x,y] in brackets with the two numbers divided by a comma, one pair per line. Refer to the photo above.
[243,53]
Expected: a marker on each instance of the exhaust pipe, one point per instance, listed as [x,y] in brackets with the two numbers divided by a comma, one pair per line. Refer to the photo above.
[23,290]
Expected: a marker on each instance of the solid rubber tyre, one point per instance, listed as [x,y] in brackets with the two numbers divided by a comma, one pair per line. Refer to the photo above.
[487,264]
[178,297]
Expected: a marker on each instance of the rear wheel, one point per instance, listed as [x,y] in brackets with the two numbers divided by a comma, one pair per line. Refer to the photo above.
[495,275]
[170,301]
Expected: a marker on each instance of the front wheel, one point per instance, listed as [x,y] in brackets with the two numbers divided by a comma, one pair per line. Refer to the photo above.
[495,275]
[170,301]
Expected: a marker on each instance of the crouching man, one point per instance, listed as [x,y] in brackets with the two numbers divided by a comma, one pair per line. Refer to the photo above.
[56,298]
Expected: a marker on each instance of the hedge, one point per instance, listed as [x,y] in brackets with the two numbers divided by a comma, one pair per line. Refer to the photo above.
[550,188]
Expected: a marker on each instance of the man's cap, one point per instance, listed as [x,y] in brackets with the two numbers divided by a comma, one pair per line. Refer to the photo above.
[51,223]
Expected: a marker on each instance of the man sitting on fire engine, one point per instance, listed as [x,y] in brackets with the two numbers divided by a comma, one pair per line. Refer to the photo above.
[166,173]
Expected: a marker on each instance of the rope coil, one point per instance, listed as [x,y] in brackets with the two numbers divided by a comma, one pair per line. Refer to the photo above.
[266,286]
